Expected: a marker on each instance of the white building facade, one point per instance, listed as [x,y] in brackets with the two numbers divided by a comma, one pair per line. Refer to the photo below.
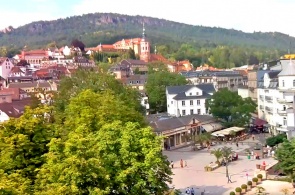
[188,99]
[276,100]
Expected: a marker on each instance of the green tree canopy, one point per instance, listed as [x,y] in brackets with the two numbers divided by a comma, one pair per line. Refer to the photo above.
[97,82]
[157,82]
[285,154]
[232,108]
[103,152]
[23,144]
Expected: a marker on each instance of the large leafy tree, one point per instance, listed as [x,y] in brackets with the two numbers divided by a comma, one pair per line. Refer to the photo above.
[97,82]
[104,151]
[285,154]
[157,82]
[232,108]
[23,142]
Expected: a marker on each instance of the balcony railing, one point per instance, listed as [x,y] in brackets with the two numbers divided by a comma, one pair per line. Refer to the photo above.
[268,109]
[282,112]
[268,98]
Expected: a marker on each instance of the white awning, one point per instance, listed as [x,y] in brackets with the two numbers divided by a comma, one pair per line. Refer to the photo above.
[228,130]
[208,127]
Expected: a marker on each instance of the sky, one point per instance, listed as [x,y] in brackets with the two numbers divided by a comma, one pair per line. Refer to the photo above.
[245,15]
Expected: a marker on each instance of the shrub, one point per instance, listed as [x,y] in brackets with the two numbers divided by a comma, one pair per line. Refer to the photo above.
[238,189]
[272,141]
[255,179]
[244,186]
[259,176]
[249,183]
[232,193]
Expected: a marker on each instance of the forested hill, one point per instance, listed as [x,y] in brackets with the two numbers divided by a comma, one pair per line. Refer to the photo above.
[106,28]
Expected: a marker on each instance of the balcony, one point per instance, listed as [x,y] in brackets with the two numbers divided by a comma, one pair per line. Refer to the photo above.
[261,97]
[268,99]
[282,112]
[282,128]
[261,107]
[268,109]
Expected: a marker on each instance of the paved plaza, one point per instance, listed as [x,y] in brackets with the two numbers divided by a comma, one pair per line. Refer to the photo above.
[214,182]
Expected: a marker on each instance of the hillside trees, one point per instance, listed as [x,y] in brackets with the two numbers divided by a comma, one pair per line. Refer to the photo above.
[230,107]
[105,151]
[156,84]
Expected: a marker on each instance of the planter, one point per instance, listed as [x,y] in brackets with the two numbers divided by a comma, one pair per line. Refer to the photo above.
[249,157]
[238,193]
[258,166]
[244,190]
[254,183]
[206,169]
[249,187]
[209,168]
[259,179]
[293,184]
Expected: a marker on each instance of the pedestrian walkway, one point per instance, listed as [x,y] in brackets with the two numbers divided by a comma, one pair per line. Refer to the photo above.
[215,182]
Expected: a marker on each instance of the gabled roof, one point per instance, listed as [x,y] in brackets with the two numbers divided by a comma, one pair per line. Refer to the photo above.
[288,70]
[182,96]
[205,87]
[168,123]
[273,74]
[16,108]
[133,62]
[178,89]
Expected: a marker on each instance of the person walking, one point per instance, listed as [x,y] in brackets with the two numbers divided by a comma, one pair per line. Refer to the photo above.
[185,163]
[181,163]
[192,191]
[229,179]
[253,137]
[172,164]
[237,144]
[188,191]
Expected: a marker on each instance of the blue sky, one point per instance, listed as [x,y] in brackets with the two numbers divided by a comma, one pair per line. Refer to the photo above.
[245,15]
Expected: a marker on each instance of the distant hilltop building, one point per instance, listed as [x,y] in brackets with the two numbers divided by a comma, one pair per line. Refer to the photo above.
[141,47]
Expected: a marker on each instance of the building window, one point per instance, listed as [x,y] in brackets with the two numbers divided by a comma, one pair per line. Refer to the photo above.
[171,102]
[199,111]
[198,102]
[3,98]
[137,82]
[284,107]
[183,112]
[191,102]
[283,83]
[293,83]
[190,93]
[183,103]
[197,93]
[285,121]
[192,111]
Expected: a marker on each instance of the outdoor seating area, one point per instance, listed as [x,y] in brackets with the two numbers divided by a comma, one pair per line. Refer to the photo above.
[231,134]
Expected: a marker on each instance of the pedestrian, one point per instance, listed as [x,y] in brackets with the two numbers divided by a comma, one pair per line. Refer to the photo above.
[192,191]
[253,137]
[185,163]
[229,179]
[188,191]
[237,144]
[252,154]
[181,163]
[172,164]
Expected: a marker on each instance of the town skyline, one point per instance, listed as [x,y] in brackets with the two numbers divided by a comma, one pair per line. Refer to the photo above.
[248,16]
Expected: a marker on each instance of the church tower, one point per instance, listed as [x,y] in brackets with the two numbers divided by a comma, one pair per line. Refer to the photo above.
[144,47]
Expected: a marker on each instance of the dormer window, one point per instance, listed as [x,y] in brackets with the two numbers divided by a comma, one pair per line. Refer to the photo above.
[190,93]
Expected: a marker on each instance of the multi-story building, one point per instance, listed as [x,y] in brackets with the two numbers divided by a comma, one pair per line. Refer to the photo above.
[219,79]
[5,67]
[188,99]
[276,95]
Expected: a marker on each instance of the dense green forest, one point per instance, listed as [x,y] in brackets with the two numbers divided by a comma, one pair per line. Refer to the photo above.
[174,40]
